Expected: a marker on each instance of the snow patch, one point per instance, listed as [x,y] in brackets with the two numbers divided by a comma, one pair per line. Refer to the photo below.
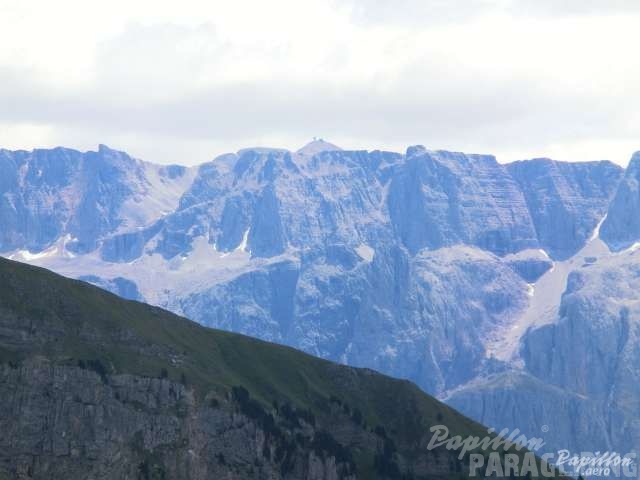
[202,268]
[544,301]
[243,244]
[596,231]
[390,351]
[317,146]
[366,252]
[57,250]
[28,256]
[155,195]
[633,247]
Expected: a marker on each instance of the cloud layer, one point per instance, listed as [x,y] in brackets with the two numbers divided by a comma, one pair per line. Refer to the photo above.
[183,84]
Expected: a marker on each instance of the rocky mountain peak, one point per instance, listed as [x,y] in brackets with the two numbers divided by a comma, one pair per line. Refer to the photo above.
[621,228]
[634,163]
[415,150]
[318,145]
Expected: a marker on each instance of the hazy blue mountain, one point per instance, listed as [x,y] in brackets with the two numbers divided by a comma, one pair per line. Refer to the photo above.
[451,270]
[565,200]
[441,198]
[50,195]
[583,368]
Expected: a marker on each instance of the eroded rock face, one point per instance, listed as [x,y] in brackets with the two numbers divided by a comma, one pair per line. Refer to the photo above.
[69,422]
[595,339]
[565,200]
[442,198]
[423,199]
[621,228]
[562,418]
[423,318]
[530,264]
[582,368]
[48,195]
[269,201]
[280,199]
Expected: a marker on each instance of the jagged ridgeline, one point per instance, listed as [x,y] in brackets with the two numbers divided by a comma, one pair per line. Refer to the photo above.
[94,386]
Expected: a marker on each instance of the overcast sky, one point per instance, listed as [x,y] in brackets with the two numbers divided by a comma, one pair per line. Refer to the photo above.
[185,81]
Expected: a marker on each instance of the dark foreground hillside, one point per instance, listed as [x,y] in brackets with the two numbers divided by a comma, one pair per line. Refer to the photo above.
[96,387]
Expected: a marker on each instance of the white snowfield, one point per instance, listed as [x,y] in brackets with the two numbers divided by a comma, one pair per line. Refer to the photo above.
[160,281]
[366,252]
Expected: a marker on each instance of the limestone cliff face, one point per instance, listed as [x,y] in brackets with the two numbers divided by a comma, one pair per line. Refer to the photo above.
[621,228]
[565,200]
[47,196]
[69,422]
[580,371]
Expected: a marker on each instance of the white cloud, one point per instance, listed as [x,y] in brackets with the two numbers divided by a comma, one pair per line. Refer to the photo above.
[184,82]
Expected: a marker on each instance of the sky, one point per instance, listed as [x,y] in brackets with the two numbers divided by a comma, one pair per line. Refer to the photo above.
[183,82]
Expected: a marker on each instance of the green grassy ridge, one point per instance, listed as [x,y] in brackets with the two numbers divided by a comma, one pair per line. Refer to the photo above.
[91,324]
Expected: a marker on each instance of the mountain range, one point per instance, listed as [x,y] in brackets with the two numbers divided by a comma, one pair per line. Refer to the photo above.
[505,290]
